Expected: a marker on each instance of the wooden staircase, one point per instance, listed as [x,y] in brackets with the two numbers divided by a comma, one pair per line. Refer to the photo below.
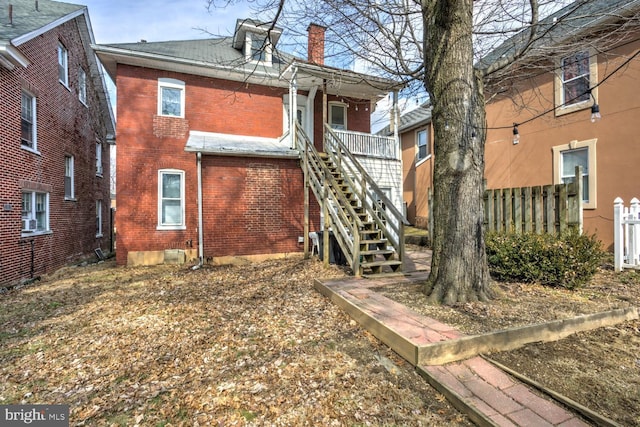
[364,222]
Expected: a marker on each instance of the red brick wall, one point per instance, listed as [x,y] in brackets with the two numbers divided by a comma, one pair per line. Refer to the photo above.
[147,143]
[253,206]
[64,127]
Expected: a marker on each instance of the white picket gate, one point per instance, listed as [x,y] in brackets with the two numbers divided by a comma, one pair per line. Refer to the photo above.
[626,234]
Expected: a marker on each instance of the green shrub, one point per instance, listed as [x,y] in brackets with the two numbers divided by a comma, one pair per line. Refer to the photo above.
[569,260]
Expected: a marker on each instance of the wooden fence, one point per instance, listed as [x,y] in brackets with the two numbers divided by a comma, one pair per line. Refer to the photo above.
[541,209]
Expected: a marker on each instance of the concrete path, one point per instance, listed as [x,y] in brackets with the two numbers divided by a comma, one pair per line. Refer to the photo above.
[489,396]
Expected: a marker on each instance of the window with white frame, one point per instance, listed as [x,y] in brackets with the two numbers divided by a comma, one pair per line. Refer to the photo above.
[69,190]
[576,75]
[258,48]
[338,115]
[98,218]
[422,138]
[82,86]
[28,119]
[35,212]
[98,158]
[171,95]
[577,153]
[63,65]
[171,199]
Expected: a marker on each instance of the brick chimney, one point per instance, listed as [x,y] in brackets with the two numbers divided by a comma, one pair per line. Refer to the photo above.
[315,44]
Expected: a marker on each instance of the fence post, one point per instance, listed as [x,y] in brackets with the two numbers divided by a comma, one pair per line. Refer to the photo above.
[634,235]
[618,237]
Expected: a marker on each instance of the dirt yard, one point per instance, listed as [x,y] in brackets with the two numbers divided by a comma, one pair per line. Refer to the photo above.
[257,345]
[599,369]
[168,346]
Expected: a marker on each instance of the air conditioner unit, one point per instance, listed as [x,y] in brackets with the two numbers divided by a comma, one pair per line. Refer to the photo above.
[29,225]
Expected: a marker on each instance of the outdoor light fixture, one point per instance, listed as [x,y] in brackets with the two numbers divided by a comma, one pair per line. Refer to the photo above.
[595,110]
[516,134]
[595,113]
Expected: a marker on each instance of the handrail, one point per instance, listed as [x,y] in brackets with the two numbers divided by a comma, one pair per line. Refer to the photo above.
[365,175]
[339,216]
[342,217]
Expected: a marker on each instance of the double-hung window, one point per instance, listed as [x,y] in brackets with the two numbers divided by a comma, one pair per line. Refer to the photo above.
[171,200]
[82,86]
[69,190]
[35,212]
[423,144]
[171,97]
[338,115]
[576,82]
[98,158]
[28,119]
[98,218]
[577,153]
[63,65]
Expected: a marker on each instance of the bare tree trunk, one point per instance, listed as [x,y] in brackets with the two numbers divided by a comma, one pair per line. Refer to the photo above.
[459,270]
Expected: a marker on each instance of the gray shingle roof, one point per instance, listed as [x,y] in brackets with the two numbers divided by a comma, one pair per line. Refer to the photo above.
[27,19]
[414,118]
[567,22]
[214,51]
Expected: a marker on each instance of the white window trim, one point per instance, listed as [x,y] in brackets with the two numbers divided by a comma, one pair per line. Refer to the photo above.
[71,197]
[36,232]
[164,82]
[418,159]
[248,51]
[99,166]
[561,109]
[65,57]
[82,86]
[182,200]
[590,144]
[99,218]
[34,108]
[345,106]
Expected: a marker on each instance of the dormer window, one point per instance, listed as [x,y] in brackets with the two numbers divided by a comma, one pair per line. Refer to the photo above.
[256,40]
[257,48]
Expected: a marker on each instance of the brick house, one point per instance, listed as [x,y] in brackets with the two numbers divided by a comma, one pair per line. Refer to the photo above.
[554,127]
[207,166]
[55,132]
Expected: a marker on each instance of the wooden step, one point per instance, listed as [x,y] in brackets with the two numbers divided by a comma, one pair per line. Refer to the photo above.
[383,252]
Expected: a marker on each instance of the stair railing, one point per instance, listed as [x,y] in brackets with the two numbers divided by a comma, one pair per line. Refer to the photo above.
[343,219]
[379,207]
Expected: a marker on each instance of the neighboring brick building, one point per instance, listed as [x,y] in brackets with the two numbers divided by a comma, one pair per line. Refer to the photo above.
[55,129]
[212,115]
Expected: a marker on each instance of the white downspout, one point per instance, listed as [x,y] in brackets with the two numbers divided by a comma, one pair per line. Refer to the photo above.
[293,106]
[200,221]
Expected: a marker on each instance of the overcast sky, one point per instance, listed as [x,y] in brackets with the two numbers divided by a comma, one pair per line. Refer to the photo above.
[122,21]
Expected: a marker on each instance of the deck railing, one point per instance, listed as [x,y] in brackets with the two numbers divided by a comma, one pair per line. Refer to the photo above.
[366,144]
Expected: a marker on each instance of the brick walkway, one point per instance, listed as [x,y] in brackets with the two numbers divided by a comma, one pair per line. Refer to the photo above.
[489,396]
